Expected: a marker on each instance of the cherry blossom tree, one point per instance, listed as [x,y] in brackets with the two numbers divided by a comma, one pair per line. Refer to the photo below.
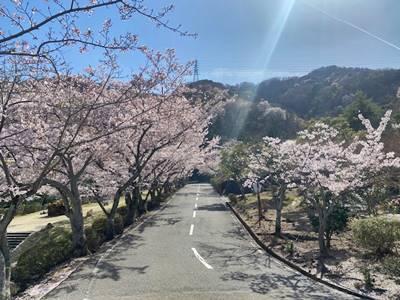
[273,164]
[40,126]
[153,149]
[329,169]
[325,169]
[42,30]
[50,125]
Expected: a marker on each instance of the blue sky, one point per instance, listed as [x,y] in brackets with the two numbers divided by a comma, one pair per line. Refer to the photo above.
[251,40]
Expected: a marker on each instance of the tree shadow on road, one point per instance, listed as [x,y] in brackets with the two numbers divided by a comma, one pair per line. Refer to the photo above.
[213,207]
[105,264]
[262,274]
[160,220]
[294,286]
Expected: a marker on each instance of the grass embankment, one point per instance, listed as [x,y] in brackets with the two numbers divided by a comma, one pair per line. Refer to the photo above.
[347,262]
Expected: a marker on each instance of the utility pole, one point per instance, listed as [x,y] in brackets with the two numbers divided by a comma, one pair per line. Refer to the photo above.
[195,71]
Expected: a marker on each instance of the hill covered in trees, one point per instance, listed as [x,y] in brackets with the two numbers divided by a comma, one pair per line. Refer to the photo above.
[280,107]
[327,91]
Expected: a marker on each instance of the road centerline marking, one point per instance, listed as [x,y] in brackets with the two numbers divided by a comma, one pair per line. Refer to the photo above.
[195,206]
[198,256]
[191,229]
[194,214]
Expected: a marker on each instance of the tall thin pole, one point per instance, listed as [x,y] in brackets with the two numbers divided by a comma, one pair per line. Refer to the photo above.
[196,71]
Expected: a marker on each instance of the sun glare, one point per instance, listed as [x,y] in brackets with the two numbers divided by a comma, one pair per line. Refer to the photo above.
[275,32]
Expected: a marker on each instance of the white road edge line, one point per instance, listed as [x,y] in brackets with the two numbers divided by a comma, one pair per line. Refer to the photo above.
[201,259]
[191,229]
[194,214]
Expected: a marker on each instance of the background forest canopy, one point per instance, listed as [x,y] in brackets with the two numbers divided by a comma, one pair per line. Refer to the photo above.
[280,107]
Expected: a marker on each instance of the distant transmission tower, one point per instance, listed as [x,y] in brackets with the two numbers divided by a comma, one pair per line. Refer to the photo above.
[196,71]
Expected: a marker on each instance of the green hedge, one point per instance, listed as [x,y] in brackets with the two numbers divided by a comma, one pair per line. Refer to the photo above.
[377,235]
[51,249]
[56,209]
[96,234]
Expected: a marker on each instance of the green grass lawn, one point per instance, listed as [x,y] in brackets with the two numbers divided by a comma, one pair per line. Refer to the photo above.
[292,199]
[35,221]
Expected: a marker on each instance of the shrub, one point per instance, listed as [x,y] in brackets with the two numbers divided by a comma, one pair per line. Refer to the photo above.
[336,222]
[216,183]
[368,280]
[94,239]
[377,234]
[118,224]
[289,248]
[51,249]
[391,266]
[39,203]
[56,209]
[233,198]
[29,207]
[122,211]
[100,225]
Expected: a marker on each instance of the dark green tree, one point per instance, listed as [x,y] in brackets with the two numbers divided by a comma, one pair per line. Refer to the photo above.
[234,164]
[336,222]
[364,105]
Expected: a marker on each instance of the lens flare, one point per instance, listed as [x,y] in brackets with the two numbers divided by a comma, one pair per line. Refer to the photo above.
[276,31]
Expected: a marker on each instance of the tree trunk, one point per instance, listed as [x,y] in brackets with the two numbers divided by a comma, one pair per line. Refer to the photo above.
[159,195]
[5,269]
[131,207]
[110,232]
[279,204]
[260,214]
[241,190]
[153,196]
[141,203]
[77,223]
[328,241]
[323,251]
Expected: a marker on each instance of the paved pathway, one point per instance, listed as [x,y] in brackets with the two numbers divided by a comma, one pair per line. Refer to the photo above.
[193,249]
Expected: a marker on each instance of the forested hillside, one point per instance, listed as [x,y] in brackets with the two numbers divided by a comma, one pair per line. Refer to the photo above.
[280,107]
[327,91]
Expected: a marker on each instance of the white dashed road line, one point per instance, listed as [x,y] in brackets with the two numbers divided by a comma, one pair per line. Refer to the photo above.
[194,214]
[195,206]
[201,259]
[191,229]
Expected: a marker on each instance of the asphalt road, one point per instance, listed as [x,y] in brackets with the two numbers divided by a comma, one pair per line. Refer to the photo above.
[192,249]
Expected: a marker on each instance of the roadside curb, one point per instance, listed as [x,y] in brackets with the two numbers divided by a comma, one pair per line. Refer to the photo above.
[291,264]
